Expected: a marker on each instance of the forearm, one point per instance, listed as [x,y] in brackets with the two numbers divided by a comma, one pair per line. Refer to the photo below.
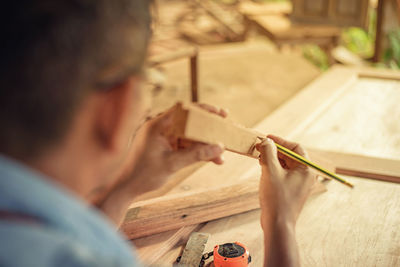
[118,200]
[280,242]
[116,204]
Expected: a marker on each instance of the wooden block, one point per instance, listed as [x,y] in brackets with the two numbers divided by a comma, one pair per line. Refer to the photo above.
[196,124]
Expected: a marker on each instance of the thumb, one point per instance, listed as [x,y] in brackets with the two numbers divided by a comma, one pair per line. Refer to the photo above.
[269,155]
[195,153]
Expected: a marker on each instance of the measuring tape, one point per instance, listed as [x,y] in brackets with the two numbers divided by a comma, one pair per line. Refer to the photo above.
[225,255]
[229,255]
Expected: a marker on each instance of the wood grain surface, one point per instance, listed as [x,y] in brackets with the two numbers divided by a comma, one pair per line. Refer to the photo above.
[362,121]
[338,228]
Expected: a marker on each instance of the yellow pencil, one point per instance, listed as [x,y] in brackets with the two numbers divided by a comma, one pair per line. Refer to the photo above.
[305,161]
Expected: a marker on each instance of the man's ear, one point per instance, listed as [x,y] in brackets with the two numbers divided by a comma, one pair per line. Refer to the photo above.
[116,116]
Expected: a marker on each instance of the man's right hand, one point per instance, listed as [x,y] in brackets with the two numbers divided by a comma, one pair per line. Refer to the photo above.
[285,183]
[284,187]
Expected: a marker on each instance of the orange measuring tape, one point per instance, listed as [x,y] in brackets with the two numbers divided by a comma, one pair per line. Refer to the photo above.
[226,255]
[231,255]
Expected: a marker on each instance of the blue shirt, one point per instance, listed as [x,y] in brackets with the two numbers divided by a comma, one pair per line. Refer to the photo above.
[68,232]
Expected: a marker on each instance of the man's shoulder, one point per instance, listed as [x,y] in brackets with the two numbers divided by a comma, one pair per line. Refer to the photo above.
[35,245]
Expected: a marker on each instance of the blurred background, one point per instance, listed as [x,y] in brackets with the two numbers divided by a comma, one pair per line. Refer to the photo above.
[249,56]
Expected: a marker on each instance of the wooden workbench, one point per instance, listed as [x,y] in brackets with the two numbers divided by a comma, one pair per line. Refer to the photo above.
[345,110]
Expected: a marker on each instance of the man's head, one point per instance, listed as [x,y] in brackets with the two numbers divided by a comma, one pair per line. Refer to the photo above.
[69,75]
[53,55]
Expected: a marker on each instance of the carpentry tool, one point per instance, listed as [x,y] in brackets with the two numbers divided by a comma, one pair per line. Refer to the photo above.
[225,255]
[305,161]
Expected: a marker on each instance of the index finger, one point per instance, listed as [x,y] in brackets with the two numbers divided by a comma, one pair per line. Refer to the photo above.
[295,147]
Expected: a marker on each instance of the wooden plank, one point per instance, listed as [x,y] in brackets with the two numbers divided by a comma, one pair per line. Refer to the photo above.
[154,216]
[172,212]
[386,74]
[363,166]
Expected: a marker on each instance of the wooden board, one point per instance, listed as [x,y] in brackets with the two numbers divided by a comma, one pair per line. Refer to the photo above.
[158,215]
[290,120]
[362,166]
[172,212]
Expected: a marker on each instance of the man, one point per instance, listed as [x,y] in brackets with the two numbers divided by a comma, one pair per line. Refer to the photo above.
[72,113]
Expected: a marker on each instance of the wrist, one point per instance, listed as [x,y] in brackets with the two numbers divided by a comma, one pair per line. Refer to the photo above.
[280,217]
